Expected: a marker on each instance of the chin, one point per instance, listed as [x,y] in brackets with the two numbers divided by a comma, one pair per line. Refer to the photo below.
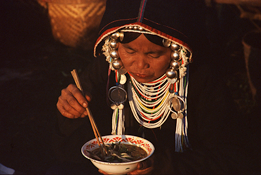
[143,80]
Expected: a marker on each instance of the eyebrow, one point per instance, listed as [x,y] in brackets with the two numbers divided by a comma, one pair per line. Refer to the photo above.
[149,52]
[128,47]
[155,52]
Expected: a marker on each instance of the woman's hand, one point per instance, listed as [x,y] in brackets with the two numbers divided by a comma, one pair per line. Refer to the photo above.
[141,170]
[72,103]
[144,167]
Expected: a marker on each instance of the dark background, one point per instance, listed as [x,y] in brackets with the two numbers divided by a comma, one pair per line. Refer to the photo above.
[35,67]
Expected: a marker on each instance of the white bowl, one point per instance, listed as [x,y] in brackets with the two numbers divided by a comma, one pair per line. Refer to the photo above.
[118,168]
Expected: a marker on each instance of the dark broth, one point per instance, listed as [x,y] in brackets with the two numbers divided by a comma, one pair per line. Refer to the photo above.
[135,152]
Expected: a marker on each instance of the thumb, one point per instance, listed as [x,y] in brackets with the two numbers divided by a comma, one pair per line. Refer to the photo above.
[88,97]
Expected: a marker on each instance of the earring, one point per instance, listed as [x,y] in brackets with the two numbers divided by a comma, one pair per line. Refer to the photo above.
[172,73]
[176,102]
[116,63]
[117,94]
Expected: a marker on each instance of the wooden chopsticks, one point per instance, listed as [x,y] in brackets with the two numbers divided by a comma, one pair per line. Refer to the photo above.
[94,127]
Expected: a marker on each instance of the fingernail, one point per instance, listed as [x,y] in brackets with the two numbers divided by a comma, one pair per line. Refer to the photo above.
[84,105]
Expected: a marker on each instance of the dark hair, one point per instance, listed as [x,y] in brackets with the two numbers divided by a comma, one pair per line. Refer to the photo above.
[130,36]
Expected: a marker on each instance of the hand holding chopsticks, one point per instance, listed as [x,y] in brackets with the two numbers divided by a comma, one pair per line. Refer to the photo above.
[94,127]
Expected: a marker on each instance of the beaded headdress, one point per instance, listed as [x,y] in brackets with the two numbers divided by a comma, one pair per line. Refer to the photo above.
[151,103]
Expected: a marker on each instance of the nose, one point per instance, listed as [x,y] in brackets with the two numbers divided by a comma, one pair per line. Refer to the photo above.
[142,62]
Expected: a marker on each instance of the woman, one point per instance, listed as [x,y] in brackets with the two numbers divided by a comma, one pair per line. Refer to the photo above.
[148,45]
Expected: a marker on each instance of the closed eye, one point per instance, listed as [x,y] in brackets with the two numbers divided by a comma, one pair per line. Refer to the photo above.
[130,50]
[154,55]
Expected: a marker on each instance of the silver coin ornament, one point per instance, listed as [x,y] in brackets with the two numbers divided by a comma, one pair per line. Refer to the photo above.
[176,104]
[117,95]
[170,73]
[177,115]
[113,106]
[116,64]
[166,42]
[114,54]
[174,64]
[118,35]
[114,44]
[180,115]
[174,115]
[121,106]
[174,46]
[123,79]
[175,55]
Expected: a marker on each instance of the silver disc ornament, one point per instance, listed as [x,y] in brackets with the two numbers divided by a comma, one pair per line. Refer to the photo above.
[175,115]
[180,115]
[117,95]
[177,103]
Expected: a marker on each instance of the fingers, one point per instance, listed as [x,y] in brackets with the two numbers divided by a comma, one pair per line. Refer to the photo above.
[147,163]
[141,171]
[72,103]
[77,94]
[144,167]
[88,97]
[102,172]
[69,111]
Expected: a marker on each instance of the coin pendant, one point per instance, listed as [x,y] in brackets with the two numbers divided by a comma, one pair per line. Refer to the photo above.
[180,115]
[117,95]
[174,116]
[123,79]
[113,106]
[176,104]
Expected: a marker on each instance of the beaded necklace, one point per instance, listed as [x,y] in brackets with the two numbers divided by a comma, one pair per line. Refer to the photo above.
[149,101]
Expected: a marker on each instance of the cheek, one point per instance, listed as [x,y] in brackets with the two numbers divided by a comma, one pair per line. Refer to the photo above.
[126,60]
[163,64]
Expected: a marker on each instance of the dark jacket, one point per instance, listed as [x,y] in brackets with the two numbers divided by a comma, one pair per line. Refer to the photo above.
[215,128]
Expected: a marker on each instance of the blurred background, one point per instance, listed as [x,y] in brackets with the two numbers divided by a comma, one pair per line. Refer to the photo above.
[42,41]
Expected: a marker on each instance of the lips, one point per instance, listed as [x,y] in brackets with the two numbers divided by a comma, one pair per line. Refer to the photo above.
[141,75]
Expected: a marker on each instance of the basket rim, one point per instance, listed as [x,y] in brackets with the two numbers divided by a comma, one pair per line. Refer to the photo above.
[71,1]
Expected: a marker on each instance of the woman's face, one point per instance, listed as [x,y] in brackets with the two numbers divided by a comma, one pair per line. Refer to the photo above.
[144,60]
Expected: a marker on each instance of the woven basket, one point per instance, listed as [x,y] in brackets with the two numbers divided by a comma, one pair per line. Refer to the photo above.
[75,23]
